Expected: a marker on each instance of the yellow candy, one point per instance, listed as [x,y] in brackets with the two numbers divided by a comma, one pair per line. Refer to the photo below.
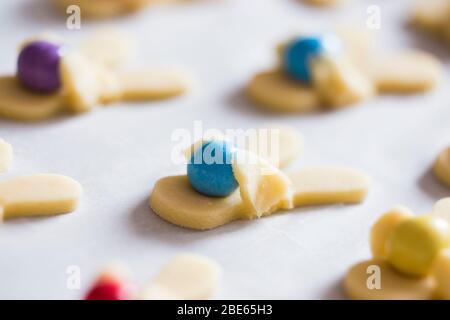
[382,229]
[414,244]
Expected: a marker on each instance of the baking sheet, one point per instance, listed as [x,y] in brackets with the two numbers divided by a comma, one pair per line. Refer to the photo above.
[117,153]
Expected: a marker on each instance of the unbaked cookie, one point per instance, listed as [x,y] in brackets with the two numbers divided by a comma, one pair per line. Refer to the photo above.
[410,257]
[186,277]
[336,71]
[6,154]
[433,16]
[441,167]
[35,195]
[97,9]
[51,80]
[248,187]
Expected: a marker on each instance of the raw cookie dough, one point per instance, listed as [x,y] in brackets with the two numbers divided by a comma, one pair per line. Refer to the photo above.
[409,71]
[40,194]
[97,9]
[92,74]
[150,84]
[17,103]
[394,286]
[186,277]
[346,78]
[433,16]
[174,199]
[323,2]
[441,167]
[6,154]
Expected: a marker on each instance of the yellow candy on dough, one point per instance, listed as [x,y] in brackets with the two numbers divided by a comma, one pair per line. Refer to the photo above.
[382,229]
[376,280]
[414,244]
[6,154]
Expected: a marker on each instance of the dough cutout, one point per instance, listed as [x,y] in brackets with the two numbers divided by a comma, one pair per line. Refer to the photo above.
[6,154]
[433,16]
[92,74]
[353,76]
[441,167]
[288,144]
[263,189]
[186,277]
[20,104]
[394,284]
[101,9]
[40,194]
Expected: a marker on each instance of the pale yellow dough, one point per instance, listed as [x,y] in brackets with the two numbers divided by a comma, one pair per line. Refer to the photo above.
[340,83]
[441,272]
[98,9]
[149,84]
[442,209]
[383,228]
[109,48]
[441,167]
[275,91]
[355,75]
[6,155]
[20,104]
[286,145]
[433,16]
[263,188]
[323,2]
[409,71]
[394,286]
[40,194]
[174,200]
[186,277]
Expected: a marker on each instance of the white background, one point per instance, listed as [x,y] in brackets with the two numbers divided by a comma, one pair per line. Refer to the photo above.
[118,153]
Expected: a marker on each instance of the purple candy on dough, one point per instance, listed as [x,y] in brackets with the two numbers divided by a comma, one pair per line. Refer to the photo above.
[38,66]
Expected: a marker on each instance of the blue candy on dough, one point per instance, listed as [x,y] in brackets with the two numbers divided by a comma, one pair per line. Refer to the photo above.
[299,53]
[210,171]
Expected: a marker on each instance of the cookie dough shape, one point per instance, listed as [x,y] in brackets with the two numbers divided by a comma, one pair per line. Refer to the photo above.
[433,16]
[100,9]
[20,104]
[393,285]
[275,91]
[174,200]
[151,84]
[186,277]
[441,167]
[406,72]
[6,155]
[345,79]
[442,209]
[40,194]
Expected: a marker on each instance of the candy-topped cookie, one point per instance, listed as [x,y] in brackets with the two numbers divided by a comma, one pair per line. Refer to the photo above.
[225,183]
[338,70]
[53,78]
[410,257]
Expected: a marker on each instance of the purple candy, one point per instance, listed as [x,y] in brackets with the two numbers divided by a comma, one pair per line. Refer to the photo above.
[38,66]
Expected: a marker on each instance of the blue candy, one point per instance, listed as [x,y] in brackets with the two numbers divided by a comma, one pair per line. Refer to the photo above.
[299,53]
[209,169]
